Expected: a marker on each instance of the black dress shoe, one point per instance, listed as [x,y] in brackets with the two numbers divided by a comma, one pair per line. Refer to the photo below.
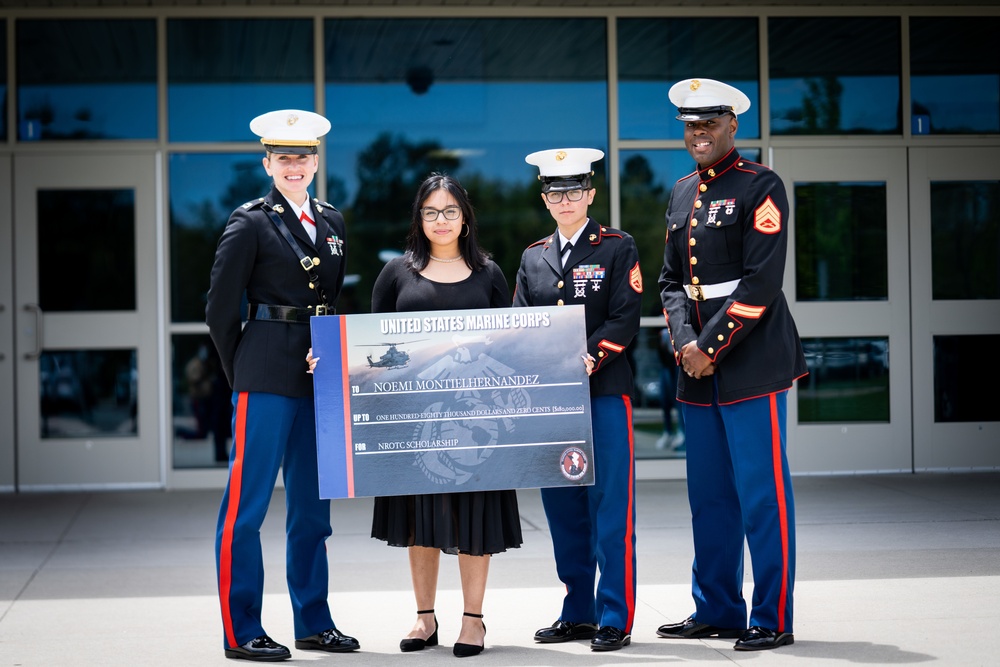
[757,638]
[332,640]
[609,638]
[692,629]
[561,631]
[262,649]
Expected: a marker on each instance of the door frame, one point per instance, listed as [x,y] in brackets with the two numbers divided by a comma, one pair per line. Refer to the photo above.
[856,446]
[8,461]
[100,462]
[954,445]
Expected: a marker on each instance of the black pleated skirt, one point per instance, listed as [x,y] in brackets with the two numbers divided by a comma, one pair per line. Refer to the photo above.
[475,523]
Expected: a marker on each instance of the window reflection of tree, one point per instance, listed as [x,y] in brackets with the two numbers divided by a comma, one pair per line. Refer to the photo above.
[194,236]
[643,204]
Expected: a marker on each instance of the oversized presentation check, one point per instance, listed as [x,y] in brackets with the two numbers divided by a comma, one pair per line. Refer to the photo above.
[458,400]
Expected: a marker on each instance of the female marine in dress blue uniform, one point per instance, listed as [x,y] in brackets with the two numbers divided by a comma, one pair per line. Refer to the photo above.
[592,526]
[737,344]
[274,422]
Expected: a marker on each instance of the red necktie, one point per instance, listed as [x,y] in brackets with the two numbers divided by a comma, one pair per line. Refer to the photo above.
[305,218]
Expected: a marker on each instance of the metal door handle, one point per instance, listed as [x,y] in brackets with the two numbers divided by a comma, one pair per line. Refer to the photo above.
[37,310]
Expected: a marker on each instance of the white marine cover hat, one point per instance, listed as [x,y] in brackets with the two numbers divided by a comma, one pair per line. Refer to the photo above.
[561,169]
[701,99]
[290,131]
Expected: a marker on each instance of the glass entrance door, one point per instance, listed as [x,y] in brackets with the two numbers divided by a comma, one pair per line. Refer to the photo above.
[848,283]
[86,322]
[955,239]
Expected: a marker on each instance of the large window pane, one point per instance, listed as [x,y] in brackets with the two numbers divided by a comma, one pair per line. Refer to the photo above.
[469,97]
[93,267]
[841,247]
[954,90]
[848,380]
[88,393]
[834,75]
[202,400]
[965,232]
[656,415]
[3,80]
[221,73]
[654,54]
[204,190]
[959,368]
[86,79]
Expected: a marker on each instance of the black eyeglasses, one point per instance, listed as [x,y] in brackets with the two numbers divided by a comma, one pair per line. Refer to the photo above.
[556,197]
[431,214]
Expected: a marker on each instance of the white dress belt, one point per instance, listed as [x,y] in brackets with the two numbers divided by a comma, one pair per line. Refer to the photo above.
[705,292]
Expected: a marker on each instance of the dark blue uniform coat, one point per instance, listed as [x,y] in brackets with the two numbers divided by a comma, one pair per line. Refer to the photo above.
[593,526]
[274,417]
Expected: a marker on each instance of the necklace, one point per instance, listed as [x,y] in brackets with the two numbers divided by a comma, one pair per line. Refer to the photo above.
[445,261]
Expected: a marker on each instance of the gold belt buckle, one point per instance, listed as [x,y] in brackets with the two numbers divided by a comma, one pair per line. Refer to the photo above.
[696,293]
[320,310]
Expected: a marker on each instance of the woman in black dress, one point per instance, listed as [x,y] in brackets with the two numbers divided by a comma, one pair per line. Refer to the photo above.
[445,269]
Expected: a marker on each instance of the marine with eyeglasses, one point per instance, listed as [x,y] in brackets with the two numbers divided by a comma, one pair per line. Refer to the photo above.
[584,262]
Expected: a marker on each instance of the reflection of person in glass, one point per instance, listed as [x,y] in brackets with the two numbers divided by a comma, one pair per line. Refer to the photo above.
[723,265]
[673,437]
[583,262]
[209,396]
[274,418]
[444,268]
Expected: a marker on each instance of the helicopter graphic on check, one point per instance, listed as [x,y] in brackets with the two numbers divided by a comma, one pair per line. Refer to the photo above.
[393,357]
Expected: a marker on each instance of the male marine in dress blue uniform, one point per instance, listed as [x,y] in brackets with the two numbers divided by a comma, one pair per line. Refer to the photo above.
[592,526]
[274,418]
[739,350]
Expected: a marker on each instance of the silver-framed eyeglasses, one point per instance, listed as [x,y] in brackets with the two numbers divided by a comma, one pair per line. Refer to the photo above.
[556,197]
[431,214]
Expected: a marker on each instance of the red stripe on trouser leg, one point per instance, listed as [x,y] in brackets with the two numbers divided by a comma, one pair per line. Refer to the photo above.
[779,484]
[232,509]
[630,528]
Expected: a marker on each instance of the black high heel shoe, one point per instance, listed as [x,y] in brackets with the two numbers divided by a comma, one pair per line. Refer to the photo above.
[469,650]
[415,643]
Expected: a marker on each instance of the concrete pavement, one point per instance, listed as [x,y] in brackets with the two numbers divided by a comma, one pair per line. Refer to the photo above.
[892,569]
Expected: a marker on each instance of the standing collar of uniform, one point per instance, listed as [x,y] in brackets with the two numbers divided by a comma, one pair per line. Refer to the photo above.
[575,238]
[727,162]
[305,207]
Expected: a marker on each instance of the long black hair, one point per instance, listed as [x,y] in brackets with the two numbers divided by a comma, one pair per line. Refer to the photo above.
[418,248]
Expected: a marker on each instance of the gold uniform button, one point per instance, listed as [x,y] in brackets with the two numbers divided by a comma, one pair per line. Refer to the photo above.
[697,204]
[675,226]
[694,223]
[694,280]
[711,350]
[316,261]
[731,325]
[692,242]
[694,260]
[721,337]
[703,187]
[559,302]
[560,284]
[600,354]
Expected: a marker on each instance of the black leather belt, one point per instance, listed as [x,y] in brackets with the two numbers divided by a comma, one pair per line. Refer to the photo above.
[262,311]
